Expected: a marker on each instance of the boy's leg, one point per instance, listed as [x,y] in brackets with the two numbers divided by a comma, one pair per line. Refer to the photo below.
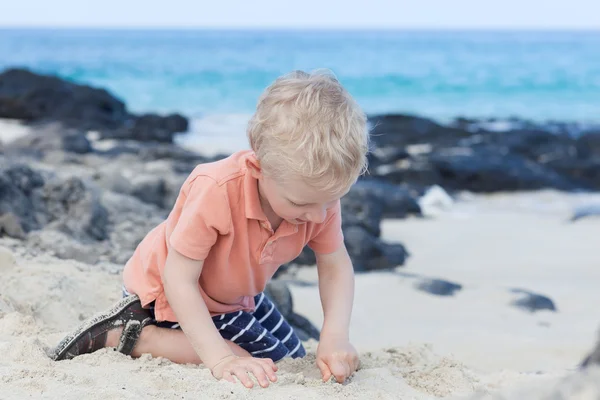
[132,330]
[271,319]
[264,333]
[174,345]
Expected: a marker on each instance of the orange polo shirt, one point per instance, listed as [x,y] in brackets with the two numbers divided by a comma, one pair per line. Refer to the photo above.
[218,218]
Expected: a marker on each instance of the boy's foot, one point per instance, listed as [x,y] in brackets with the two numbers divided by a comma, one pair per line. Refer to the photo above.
[128,314]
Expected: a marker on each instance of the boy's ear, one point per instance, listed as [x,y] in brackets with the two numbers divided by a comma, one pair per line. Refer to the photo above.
[254,167]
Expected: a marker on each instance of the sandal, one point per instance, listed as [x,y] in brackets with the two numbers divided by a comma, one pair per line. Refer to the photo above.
[91,335]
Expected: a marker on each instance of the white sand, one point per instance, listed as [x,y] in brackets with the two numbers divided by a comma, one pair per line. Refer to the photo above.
[11,130]
[413,345]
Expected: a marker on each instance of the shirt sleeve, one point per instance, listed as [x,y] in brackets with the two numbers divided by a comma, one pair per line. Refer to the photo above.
[204,215]
[329,237]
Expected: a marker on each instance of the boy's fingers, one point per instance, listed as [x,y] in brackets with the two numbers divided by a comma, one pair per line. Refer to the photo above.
[270,373]
[242,375]
[227,376]
[325,372]
[340,370]
[271,364]
[356,363]
[259,372]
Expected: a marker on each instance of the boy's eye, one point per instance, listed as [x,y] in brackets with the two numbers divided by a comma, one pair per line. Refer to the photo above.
[295,204]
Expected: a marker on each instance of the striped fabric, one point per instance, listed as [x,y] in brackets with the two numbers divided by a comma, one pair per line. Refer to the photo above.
[263,333]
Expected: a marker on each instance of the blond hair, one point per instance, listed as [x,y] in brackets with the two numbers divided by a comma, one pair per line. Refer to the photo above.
[308,126]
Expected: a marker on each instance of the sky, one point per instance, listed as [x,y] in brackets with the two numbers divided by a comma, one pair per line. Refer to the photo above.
[399,14]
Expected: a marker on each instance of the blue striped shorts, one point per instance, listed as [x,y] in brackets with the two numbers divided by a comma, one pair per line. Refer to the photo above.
[263,333]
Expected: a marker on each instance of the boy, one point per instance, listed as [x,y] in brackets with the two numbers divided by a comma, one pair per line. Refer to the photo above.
[193,287]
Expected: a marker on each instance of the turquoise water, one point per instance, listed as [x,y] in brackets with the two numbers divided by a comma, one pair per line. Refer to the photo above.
[215,76]
[537,75]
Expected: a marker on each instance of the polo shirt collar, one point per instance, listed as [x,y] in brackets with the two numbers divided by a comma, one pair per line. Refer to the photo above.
[252,198]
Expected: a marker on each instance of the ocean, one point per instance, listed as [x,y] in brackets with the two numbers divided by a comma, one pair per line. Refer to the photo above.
[214,77]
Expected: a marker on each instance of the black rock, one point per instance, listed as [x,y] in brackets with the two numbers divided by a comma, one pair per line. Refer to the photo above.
[32,97]
[163,151]
[24,178]
[533,144]
[151,191]
[76,143]
[371,253]
[280,295]
[397,201]
[470,155]
[532,301]
[303,327]
[149,127]
[584,173]
[397,130]
[51,137]
[362,208]
[74,209]
[30,202]
[306,257]
[17,201]
[593,358]
[438,287]
[489,171]
[588,144]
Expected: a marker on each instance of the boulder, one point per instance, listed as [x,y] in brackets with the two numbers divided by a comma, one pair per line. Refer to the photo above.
[29,96]
[588,144]
[438,287]
[29,202]
[396,201]
[280,295]
[33,97]
[477,170]
[484,156]
[370,253]
[73,208]
[593,358]
[398,131]
[51,138]
[18,204]
[149,127]
[533,302]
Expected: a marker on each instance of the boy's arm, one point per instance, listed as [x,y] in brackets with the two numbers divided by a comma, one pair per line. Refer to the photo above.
[335,355]
[180,281]
[336,288]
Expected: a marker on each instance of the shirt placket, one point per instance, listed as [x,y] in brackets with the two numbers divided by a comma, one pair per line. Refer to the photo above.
[268,249]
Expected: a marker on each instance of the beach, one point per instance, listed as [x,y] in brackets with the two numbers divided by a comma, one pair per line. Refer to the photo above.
[413,345]
[474,244]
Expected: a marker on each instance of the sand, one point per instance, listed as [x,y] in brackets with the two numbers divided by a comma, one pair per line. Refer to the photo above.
[413,345]
[11,130]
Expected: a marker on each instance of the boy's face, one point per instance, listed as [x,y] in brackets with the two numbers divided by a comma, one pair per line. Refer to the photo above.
[294,201]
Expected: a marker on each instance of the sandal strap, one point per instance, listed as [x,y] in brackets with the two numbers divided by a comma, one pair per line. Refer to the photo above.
[130,335]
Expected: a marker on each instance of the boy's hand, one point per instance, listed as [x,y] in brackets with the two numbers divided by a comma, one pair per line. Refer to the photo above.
[262,368]
[336,358]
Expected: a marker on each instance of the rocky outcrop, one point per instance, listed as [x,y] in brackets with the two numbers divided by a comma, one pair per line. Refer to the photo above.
[470,155]
[593,359]
[32,202]
[36,98]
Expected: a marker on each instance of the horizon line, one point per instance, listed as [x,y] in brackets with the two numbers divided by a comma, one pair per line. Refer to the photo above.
[307,28]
